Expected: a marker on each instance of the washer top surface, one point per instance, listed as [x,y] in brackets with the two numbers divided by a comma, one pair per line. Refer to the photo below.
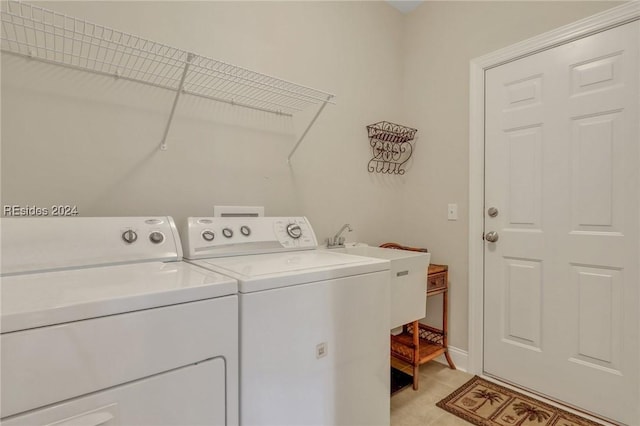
[47,298]
[275,270]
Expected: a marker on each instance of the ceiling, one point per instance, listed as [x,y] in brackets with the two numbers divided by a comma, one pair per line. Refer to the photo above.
[405,6]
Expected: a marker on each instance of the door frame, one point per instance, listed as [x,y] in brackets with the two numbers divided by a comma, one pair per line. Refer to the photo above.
[613,17]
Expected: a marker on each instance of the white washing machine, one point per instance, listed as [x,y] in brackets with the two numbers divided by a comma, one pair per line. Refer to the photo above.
[314,324]
[102,324]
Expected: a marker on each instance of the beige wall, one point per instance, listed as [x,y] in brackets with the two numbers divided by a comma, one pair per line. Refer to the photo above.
[76,138]
[440,40]
[79,138]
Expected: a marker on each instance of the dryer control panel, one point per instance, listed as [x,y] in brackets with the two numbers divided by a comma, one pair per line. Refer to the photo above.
[236,236]
[32,244]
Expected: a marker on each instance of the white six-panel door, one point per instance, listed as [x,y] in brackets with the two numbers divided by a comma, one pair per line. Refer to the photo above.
[561,167]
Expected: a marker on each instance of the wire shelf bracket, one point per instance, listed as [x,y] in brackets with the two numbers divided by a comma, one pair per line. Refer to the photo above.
[311,123]
[52,37]
[163,144]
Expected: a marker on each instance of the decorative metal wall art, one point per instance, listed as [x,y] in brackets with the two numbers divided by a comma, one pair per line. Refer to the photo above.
[391,147]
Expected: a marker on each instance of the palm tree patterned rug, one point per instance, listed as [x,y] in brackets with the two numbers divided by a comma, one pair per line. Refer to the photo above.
[484,403]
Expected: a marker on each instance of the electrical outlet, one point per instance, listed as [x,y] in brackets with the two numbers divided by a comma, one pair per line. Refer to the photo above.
[321,350]
[452,212]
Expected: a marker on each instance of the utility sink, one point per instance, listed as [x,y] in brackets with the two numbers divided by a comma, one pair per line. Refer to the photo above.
[408,280]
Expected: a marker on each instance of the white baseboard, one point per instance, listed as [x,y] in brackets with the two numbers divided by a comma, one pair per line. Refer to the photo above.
[459,357]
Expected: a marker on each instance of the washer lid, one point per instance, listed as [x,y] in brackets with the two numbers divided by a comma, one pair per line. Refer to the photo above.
[274,270]
[41,299]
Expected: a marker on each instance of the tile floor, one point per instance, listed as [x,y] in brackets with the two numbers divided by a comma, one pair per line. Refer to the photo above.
[418,408]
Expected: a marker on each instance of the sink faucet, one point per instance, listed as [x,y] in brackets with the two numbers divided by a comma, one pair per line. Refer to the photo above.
[338,240]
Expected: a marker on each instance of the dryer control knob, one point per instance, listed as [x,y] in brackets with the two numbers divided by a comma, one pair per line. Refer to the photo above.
[129,236]
[208,235]
[227,232]
[245,230]
[294,231]
[156,237]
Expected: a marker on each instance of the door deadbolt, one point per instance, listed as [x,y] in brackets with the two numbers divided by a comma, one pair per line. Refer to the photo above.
[492,212]
[492,236]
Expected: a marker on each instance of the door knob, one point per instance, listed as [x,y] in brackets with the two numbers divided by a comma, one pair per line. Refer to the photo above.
[492,236]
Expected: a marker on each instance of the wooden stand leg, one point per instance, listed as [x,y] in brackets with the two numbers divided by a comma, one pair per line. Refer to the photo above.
[416,354]
[445,315]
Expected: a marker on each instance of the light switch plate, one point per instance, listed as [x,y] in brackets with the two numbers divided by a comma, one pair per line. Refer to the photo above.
[452,212]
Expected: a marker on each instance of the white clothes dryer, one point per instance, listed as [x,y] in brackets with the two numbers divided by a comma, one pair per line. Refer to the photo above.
[314,324]
[102,324]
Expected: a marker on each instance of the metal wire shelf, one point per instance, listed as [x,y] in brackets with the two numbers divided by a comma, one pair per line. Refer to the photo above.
[53,37]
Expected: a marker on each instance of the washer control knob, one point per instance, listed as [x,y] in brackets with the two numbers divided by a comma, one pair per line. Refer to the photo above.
[156,237]
[227,232]
[208,235]
[245,230]
[129,236]
[294,231]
